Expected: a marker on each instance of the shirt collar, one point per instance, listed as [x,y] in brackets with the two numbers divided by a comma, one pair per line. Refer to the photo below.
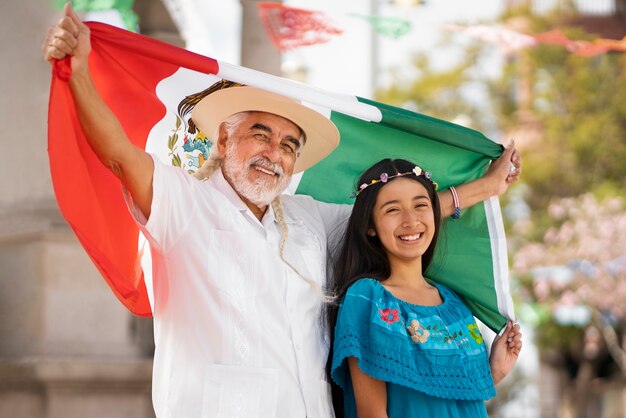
[219,182]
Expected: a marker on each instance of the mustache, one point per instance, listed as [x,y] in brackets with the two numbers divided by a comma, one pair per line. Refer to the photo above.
[264,163]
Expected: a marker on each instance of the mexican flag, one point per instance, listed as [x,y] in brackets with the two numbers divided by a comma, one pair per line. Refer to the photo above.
[151,86]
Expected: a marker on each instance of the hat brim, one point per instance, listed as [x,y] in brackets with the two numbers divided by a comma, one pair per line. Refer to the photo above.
[322,136]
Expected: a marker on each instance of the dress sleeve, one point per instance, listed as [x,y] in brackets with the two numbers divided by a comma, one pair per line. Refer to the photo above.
[346,342]
[172,203]
[364,329]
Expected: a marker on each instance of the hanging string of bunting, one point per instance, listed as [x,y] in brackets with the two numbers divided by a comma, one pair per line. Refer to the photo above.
[290,27]
[581,47]
[507,40]
[511,41]
[392,27]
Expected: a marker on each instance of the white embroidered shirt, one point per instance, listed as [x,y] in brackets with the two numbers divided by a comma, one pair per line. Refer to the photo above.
[238,333]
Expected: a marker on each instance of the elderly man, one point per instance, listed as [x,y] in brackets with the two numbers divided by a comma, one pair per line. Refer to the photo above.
[238,268]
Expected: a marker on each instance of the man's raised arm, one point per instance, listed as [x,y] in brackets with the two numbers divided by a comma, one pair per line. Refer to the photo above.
[133,166]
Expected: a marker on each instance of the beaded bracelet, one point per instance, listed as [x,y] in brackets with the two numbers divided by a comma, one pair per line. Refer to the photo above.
[457,205]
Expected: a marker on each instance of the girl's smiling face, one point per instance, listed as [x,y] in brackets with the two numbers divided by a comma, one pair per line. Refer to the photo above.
[403,220]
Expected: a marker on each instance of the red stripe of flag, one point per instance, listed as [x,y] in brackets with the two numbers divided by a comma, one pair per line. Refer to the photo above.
[126,68]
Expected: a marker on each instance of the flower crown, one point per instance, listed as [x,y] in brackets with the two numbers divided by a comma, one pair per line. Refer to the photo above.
[384,178]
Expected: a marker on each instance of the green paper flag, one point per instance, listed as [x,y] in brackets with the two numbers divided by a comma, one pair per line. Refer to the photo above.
[387,26]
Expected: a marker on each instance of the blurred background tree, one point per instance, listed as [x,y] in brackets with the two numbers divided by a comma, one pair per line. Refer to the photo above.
[567,217]
[579,104]
[570,253]
[573,285]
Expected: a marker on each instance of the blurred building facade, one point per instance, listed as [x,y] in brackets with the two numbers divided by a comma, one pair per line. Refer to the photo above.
[68,348]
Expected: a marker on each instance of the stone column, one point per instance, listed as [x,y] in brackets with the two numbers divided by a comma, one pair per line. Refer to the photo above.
[67,347]
[257,50]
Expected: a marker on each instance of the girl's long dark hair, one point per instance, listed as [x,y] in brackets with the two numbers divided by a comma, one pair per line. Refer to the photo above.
[359,255]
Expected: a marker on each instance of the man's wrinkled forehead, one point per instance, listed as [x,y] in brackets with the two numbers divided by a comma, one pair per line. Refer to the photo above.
[301,139]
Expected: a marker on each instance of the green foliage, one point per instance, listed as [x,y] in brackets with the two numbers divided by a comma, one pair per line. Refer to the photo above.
[172,141]
[500,94]
[556,336]
[580,105]
[439,93]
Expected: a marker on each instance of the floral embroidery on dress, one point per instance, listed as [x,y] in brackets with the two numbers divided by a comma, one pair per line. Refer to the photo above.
[389,315]
[475,333]
[418,333]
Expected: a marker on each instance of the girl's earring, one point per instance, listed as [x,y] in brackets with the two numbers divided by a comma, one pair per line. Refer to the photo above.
[371,232]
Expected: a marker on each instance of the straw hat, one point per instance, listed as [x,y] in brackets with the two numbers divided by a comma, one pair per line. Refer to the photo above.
[322,136]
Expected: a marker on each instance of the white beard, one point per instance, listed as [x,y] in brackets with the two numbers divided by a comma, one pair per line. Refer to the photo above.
[260,192]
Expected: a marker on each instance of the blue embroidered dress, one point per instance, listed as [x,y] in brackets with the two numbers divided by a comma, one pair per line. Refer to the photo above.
[433,358]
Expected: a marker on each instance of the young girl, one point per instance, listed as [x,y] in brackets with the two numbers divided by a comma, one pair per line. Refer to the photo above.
[403,346]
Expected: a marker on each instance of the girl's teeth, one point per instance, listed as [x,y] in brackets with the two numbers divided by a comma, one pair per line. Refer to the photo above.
[411,237]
